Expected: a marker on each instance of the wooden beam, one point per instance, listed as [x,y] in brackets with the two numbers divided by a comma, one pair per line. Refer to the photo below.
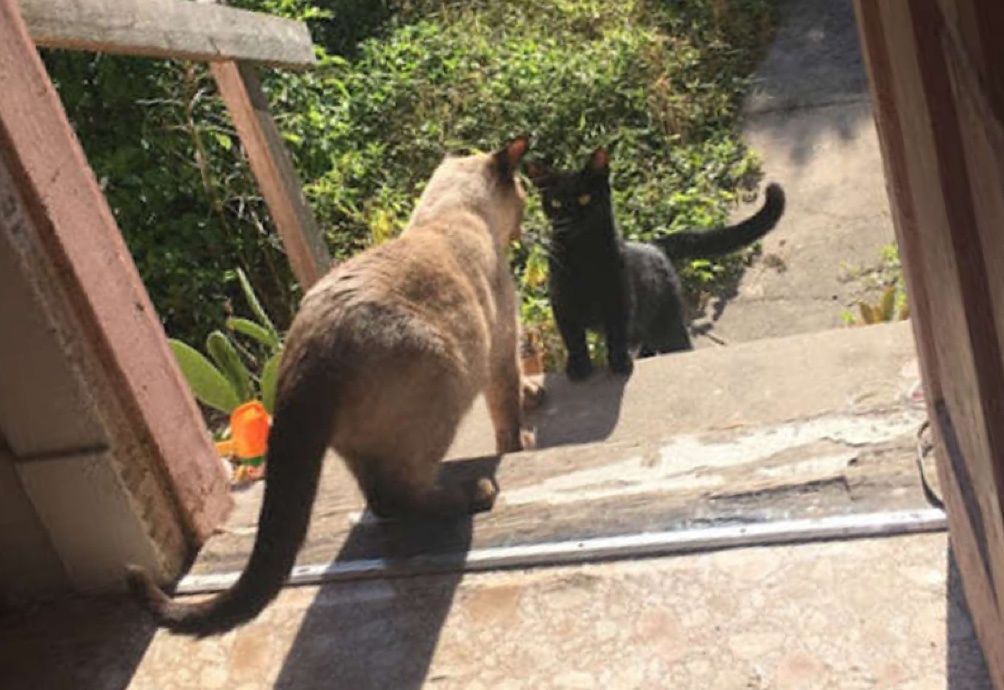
[932,87]
[71,239]
[169,29]
[272,166]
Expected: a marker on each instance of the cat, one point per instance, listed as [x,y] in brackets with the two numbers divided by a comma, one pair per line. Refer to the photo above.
[384,357]
[630,290]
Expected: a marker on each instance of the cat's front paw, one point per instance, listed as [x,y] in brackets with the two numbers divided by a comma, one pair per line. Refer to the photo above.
[532,394]
[482,494]
[622,365]
[578,369]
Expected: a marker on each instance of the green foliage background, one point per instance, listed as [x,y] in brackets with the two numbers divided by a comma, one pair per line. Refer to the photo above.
[399,82]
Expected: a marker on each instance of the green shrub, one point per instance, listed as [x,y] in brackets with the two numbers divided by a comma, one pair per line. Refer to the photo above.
[399,82]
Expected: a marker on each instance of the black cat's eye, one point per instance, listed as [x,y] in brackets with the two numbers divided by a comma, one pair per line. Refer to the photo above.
[584,199]
[555,203]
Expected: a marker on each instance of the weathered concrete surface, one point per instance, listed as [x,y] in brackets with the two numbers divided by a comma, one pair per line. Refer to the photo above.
[804,426]
[810,118]
[778,413]
[844,615]
[844,370]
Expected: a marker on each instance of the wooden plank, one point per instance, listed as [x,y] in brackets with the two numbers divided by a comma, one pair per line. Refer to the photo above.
[942,241]
[976,27]
[70,241]
[169,29]
[273,168]
[983,394]
[970,546]
[951,261]
[982,136]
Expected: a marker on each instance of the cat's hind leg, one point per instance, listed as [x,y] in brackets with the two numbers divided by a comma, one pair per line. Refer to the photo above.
[646,351]
[672,335]
[392,494]
[394,440]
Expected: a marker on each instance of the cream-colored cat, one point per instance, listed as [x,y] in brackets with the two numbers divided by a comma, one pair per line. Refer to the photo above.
[384,357]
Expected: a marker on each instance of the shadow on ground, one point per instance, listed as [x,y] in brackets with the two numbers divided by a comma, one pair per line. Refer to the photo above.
[812,83]
[965,667]
[383,633]
[74,644]
[578,412]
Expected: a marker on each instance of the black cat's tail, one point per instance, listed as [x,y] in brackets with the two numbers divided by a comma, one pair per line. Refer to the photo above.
[297,442]
[692,243]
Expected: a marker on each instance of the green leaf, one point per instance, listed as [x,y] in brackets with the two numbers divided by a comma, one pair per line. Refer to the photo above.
[535,274]
[208,385]
[868,313]
[887,307]
[269,374]
[225,355]
[254,304]
[253,330]
[223,140]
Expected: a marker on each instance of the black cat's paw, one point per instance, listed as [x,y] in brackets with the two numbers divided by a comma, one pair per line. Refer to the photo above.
[621,364]
[578,369]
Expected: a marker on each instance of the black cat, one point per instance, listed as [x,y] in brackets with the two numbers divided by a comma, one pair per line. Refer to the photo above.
[630,290]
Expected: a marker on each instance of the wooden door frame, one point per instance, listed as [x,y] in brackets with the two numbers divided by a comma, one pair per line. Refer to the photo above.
[71,248]
[936,69]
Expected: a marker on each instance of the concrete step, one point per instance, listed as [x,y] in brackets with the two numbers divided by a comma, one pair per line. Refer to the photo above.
[794,428]
[848,370]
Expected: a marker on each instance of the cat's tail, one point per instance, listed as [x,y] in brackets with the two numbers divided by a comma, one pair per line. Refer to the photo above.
[692,243]
[297,442]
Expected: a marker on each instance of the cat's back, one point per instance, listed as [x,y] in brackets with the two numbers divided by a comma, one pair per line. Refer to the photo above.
[416,271]
[650,270]
[405,296]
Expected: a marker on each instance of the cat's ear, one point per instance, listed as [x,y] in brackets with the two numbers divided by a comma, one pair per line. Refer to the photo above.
[599,161]
[538,172]
[507,158]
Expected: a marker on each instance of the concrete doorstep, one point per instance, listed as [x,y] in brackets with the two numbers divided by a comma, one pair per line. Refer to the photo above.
[805,427]
[820,426]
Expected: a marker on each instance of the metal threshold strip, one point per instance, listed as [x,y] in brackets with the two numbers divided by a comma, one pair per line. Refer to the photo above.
[622,547]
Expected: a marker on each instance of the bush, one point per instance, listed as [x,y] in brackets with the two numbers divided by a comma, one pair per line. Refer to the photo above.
[399,82]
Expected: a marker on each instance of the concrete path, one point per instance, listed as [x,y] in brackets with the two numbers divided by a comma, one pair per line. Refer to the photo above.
[810,119]
[883,613]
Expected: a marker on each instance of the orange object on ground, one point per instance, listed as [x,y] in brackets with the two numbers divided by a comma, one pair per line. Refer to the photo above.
[225,448]
[249,429]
